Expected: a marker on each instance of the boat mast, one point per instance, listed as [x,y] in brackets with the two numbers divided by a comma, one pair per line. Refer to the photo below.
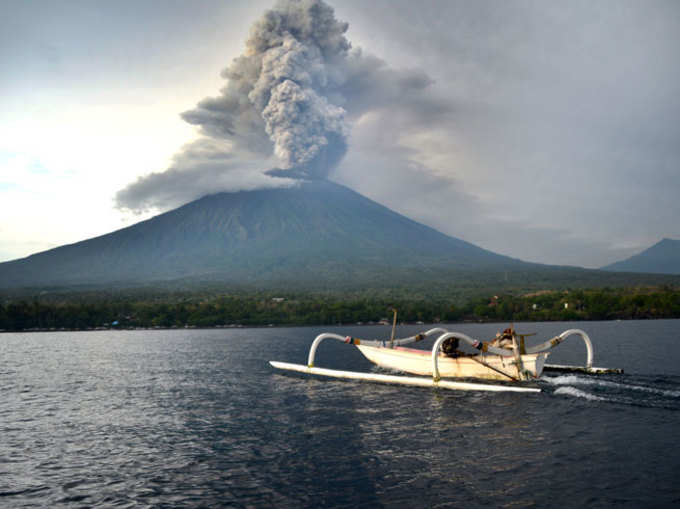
[394,327]
[521,375]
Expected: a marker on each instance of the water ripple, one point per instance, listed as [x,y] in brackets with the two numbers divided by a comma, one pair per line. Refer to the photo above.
[198,418]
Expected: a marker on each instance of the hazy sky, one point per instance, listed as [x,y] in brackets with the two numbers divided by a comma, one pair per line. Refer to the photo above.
[548,131]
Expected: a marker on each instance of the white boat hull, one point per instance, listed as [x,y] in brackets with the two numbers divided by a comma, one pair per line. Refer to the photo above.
[419,362]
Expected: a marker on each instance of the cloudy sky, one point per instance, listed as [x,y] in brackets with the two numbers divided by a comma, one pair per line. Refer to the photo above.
[548,131]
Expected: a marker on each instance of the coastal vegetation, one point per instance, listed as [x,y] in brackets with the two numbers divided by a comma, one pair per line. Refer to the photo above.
[82,311]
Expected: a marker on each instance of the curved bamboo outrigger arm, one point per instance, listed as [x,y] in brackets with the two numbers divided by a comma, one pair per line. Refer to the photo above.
[558,339]
[319,339]
[484,347]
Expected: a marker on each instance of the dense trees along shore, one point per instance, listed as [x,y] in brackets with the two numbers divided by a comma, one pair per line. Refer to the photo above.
[79,312]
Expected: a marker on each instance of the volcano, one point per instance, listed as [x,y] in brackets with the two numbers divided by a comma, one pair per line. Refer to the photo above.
[317,233]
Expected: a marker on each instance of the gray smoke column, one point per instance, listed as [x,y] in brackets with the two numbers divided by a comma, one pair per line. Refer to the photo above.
[282,85]
[285,111]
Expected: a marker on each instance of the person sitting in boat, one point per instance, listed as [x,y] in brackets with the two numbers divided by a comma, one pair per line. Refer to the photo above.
[503,340]
[450,347]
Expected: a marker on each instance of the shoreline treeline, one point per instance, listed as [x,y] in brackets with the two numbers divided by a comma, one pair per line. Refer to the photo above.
[82,313]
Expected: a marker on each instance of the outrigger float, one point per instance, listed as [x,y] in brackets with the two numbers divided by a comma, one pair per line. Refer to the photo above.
[505,358]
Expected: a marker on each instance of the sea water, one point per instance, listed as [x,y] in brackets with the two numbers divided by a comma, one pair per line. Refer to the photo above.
[199,418]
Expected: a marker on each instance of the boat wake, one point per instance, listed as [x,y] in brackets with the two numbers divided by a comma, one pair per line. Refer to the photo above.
[577,393]
[583,380]
[660,392]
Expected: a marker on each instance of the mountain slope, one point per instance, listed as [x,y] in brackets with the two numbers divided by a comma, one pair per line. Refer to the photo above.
[662,258]
[317,232]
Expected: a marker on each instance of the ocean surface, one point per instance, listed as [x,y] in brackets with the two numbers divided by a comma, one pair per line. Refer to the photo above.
[189,418]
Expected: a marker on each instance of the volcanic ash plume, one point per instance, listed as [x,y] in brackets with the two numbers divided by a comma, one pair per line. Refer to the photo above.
[281,86]
[284,111]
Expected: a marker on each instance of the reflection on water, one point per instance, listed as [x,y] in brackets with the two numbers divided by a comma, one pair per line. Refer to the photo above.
[195,418]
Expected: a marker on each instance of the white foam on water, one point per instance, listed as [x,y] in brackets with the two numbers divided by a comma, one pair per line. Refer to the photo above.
[577,393]
[565,379]
[580,380]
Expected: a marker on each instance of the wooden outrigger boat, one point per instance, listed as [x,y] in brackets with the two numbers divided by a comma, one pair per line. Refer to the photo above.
[506,358]
[419,362]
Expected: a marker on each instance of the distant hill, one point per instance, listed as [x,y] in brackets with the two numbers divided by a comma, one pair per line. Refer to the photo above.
[662,258]
[318,233]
